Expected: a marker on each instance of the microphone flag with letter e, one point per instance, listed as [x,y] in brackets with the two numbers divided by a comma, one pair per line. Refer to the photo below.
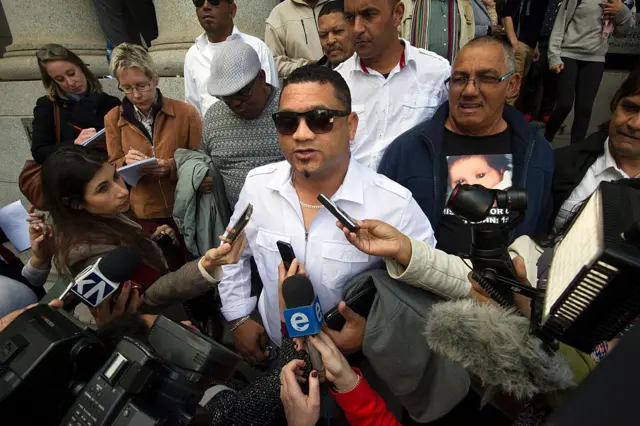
[303,316]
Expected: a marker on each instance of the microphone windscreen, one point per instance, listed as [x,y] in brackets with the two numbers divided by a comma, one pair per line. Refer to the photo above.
[120,264]
[497,347]
[298,291]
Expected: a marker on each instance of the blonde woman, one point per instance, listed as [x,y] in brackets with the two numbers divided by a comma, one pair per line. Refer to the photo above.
[77,96]
[148,124]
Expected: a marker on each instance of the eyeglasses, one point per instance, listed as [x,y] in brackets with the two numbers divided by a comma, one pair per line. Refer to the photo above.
[319,121]
[460,82]
[200,3]
[241,94]
[51,51]
[141,88]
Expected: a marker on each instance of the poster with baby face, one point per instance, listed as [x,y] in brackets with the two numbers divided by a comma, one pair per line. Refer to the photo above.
[490,171]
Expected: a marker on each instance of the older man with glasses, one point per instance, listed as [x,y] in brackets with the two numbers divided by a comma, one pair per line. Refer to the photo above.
[316,125]
[216,18]
[476,139]
[238,133]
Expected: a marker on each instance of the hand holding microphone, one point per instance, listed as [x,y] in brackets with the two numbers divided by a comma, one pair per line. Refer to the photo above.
[378,238]
[337,368]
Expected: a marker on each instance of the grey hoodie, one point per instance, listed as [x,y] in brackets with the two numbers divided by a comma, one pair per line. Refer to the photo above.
[577,32]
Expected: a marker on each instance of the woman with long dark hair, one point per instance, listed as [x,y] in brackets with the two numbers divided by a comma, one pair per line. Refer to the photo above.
[75,93]
[89,205]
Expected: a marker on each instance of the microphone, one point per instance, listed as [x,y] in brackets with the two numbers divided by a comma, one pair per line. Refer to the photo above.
[303,315]
[496,346]
[102,279]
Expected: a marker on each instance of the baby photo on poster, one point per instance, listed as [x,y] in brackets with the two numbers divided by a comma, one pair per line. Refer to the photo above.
[491,171]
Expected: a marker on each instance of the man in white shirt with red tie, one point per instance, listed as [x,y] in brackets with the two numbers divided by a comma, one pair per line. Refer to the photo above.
[315,123]
[394,86]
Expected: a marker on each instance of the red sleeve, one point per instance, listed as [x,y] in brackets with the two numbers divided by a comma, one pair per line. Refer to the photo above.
[364,407]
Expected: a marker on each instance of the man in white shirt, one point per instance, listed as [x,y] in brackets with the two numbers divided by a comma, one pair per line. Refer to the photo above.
[216,18]
[608,155]
[394,85]
[315,124]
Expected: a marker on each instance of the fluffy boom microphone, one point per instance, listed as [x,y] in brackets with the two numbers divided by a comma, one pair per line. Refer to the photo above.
[496,346]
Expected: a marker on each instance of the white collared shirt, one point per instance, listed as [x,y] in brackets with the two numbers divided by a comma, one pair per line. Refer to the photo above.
[329,259]
[604,169]
[197,68]
[388,107]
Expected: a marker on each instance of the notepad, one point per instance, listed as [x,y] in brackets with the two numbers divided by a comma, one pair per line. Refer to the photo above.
[132,173]
[13,221]
[97,137]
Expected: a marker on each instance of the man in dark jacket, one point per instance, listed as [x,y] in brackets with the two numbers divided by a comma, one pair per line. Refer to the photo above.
[475,139]
[610,154]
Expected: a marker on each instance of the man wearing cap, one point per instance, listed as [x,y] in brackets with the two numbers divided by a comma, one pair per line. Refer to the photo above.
[238,133]
[216,18]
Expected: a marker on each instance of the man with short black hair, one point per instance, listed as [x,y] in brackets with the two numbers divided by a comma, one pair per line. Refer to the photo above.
[291,33]
[335,34]
[475,139]
[394,85]
[216,18]
[315,123]
[610,154]
[238,133]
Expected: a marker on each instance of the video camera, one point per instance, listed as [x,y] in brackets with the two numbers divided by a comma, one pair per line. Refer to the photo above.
[591,293]
[53,369]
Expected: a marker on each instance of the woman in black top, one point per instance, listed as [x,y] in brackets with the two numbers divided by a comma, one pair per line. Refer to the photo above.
[78,94]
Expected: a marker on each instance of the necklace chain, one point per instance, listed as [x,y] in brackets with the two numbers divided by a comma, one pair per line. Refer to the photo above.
[303,204]
[311,206]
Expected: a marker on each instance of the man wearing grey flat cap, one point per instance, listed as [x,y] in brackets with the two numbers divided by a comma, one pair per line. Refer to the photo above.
[238,133]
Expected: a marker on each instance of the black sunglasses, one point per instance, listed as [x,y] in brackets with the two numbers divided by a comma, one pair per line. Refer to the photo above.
[319,121]
[241,94]
[49,52]
[200,3]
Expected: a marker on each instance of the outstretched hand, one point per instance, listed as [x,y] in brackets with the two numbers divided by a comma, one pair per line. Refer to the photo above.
[378,238]
[349,339]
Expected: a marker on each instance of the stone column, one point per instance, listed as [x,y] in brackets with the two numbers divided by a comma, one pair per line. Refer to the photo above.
[71,23]
[178,27]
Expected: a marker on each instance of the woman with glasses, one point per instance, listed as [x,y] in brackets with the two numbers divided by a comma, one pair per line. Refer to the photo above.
[73,108]
[147,125]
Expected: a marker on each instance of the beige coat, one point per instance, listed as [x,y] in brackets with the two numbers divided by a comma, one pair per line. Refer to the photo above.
[292,35]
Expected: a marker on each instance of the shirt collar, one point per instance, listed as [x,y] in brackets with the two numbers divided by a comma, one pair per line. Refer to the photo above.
[406,57]
[202,41]
[606,162]
[352,188]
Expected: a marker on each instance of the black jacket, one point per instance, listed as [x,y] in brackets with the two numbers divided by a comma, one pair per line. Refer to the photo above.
[572,163]
[85,113]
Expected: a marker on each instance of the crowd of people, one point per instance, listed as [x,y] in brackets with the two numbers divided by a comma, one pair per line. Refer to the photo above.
[333,102]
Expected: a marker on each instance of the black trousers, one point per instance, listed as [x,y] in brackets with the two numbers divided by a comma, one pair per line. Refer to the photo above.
[124,21]
[540,77]
[579,81]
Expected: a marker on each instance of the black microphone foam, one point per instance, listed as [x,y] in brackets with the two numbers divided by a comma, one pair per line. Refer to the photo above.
[298,291]
[120,263]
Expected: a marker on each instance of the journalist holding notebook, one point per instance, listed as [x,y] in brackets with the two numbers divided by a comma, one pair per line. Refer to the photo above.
[73,108]
[148,125]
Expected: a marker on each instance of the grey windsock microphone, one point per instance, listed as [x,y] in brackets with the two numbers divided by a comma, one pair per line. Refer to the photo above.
[496,346]
[298,292]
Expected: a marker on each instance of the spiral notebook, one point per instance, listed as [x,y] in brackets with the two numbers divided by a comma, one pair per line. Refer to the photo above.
[132,173]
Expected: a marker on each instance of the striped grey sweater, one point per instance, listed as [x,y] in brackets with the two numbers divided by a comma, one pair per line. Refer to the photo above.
[237,145]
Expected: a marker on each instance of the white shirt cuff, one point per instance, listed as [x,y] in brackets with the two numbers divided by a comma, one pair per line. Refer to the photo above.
[238,309]
[217,273]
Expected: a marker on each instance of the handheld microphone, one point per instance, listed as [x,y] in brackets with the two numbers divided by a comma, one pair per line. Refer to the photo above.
[303,315]
[496,346]
[102,279]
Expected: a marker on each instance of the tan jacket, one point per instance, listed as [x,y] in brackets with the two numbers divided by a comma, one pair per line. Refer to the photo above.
[177,125]
[292,35]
